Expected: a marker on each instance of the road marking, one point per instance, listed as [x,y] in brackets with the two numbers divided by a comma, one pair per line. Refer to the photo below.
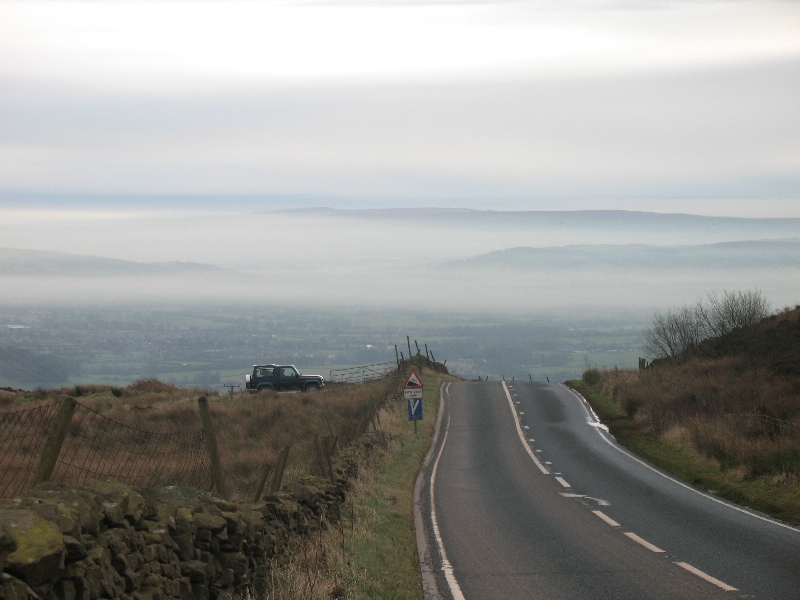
[541,467]
[455,589]
[430,589]
[644,543]
[563,482]
[593,418]
[707,577]
[606,518]
[599,501]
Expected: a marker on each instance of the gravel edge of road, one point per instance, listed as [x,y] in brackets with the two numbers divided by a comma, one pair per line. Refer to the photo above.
[430,589]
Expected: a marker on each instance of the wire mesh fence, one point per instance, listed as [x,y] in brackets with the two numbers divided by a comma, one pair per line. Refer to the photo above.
[23,435]
[362,373]
[97,447]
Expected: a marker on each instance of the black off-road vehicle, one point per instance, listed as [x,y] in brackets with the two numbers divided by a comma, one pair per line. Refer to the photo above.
[281,378]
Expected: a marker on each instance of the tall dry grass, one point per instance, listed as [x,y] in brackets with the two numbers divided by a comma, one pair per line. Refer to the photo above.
[347,557]
[251,430]
[739,415]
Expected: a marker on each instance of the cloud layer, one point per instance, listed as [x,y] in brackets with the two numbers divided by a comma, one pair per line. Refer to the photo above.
[425,101]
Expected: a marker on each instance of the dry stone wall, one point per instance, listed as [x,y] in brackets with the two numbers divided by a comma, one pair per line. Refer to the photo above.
[108,540]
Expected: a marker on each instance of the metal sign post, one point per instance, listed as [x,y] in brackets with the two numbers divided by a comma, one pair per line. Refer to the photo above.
[412,392]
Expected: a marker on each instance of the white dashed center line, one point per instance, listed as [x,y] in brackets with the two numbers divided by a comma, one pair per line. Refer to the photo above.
[643,542]
[606,518]
[707,577]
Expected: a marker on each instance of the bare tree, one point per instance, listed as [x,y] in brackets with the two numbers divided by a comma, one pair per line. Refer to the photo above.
[673,333]
[680,330]
[733,310]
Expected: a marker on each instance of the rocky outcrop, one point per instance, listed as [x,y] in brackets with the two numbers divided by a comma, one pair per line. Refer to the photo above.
[108,540]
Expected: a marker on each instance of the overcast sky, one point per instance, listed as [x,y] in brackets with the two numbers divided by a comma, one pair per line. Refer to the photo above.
[647,104]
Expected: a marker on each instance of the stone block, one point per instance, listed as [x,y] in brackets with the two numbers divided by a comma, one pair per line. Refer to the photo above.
[216,525]
[65,590]
[39,554]
[201,591]
[75,550]
[197,571]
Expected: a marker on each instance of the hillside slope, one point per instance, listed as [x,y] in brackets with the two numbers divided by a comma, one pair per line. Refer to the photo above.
[21,262]
[726,417]
[738,381]
[759,254]
[773,344]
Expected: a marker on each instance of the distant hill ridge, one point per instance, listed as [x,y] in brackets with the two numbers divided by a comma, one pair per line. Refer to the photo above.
[21,262]
[545,216]
[744,254]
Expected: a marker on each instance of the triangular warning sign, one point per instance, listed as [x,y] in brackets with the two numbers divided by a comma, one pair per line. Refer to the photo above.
[413,381]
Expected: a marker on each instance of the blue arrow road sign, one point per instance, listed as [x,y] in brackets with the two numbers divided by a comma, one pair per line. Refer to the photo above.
[415,409]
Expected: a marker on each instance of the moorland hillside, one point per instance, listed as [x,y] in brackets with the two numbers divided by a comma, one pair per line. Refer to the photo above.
[733,401]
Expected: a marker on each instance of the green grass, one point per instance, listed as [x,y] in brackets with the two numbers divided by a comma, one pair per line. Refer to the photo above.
[371,552]
[772,496]
[386,552]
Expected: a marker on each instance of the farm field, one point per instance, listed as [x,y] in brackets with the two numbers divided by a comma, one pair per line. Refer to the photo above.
[213,346]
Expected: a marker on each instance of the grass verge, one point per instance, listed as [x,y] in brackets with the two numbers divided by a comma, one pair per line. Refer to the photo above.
[371,552]
[774,496]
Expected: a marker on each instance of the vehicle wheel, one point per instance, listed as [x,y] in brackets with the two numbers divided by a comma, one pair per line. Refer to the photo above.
[312,387]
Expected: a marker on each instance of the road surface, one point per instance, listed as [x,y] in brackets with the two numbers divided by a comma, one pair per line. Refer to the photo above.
[524,495]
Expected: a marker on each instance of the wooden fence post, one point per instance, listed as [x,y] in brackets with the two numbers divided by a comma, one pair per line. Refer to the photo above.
[276,480]
[376,411]
[211,444]
[55,439]
[324,458]
[264,477]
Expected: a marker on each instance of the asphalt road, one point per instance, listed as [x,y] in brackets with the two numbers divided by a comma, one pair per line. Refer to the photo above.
[530,498]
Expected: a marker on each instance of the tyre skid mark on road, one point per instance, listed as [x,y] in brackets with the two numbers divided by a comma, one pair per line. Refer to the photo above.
[594,421]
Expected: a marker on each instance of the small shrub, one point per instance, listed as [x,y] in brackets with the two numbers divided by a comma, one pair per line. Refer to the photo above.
[592,377]
[153,386]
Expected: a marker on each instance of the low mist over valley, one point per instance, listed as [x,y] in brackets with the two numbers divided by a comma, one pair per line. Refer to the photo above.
[196,298]
[432,259]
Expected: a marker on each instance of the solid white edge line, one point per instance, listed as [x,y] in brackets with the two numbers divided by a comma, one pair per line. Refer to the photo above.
[643,542]
[430,590]
[593,418]
[606,518]
[455,589]
[563,482]
[707,577]
[541,467]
